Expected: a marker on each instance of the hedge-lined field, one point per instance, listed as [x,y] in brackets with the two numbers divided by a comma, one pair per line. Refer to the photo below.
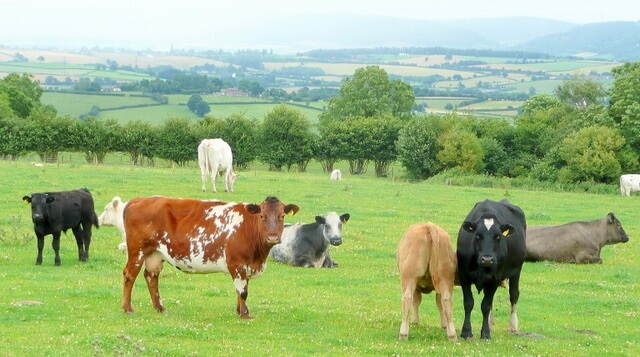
[353,309]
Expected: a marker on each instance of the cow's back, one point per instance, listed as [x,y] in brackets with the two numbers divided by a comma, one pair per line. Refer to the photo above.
[72,208]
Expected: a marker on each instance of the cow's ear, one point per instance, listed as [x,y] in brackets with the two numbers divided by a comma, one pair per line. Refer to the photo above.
[345,217]
[26,199]
[469,227]
[116,201]
[253,208]
[611,217]
[320,220]
[291,209]
[506,230]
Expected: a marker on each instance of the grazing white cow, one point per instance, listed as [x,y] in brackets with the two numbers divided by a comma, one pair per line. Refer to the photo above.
[336,175]
[112,216]
[214,156]
[629,183]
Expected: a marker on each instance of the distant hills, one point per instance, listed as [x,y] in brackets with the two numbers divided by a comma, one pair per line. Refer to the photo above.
[618,41]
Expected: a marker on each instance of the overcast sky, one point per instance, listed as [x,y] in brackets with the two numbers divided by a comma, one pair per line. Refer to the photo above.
[92,22]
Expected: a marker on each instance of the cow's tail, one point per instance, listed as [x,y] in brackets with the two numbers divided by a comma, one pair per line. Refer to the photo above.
[207,168]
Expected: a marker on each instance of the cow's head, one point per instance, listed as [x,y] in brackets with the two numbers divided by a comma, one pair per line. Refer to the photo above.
[332,226]
[112,213]
[271,214]
[489,245]
[615,232]
[39,205]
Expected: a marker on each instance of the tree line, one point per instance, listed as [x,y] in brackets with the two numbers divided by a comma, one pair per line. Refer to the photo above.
[582,133]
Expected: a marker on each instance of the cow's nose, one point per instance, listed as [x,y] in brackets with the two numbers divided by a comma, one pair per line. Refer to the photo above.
[486,260]
[273,240]
[335,241]
[37,217]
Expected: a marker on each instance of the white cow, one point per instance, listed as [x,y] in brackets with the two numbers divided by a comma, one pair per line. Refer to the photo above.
[629,183]
[214,156]
[112,216]
[336,175]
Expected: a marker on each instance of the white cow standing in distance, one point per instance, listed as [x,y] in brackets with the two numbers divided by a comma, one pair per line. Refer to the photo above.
[214,156]
[629,183]
[113,216]
[336,175]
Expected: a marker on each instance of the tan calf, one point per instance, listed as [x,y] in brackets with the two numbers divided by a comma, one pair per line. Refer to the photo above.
[426,262]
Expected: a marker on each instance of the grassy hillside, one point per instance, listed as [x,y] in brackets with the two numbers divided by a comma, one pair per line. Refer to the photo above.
[586,310]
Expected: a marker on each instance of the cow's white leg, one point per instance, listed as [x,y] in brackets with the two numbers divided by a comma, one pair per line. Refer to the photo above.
[513,319]
[214,177]
[408,290]
[444,301]
[241,284]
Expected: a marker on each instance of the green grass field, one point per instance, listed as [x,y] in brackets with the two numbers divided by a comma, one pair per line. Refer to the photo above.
[354,309]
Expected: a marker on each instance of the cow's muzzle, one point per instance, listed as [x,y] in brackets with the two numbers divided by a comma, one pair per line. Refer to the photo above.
[335,241]
[37,217]
[486,261]
[273,240]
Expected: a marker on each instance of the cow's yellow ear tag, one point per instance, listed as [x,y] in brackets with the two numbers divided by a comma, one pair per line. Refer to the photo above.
[290,213]
[506,232]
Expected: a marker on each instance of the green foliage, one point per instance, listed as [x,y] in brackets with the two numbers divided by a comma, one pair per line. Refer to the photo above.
[197,105]
[96,138]
[23,93]
[15,137]
[460,149]
[624,104]
[418,146]
[285,139]
[369,93]
[139,139]
[540,102]
[177,141]
[591,155]
[580,92]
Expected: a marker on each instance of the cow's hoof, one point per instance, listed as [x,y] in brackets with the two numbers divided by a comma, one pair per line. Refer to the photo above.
[38,263]
[246,317]
[402,337]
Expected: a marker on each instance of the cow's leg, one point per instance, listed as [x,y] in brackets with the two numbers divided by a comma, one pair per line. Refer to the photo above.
[444,300]
[467,296]
[241,284]
[130,273]
[408,301]
[214,178]
[226,179]
[40,246]
[328,262]
[204,175]
[79,234]
[86,228]
[152,269]
[55,244]
[486,305]
[514,295]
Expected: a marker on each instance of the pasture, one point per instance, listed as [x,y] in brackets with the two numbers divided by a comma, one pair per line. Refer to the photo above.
[353,309]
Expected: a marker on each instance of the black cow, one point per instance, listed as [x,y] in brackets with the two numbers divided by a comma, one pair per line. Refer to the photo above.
[491,248]
[307,245]
[53,212]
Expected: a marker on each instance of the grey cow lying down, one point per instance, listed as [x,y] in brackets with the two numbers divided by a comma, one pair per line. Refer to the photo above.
[575,242]
[307,245]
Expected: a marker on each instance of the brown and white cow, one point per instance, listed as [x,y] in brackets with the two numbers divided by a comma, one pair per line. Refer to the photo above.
[426,262]
[198,236]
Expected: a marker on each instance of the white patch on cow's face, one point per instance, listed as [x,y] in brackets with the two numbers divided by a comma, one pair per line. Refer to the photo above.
[332,226]
[488,222]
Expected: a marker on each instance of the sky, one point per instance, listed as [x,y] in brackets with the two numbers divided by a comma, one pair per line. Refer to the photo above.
[139,22]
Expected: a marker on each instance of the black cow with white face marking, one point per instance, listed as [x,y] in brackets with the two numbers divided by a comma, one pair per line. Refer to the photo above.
[491,248]
[54,212]
[307,245]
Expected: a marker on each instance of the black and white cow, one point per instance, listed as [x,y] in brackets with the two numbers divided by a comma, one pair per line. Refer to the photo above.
[307,245]
[54,212]
[491,248]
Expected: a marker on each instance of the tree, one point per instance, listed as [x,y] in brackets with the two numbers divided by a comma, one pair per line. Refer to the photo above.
[592,155]
[624,104]
[177,141]
[580,92]
[95,138]
[418,146]
[23,92]
[369,93]
[461,149]
[285,139]
[138,138]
